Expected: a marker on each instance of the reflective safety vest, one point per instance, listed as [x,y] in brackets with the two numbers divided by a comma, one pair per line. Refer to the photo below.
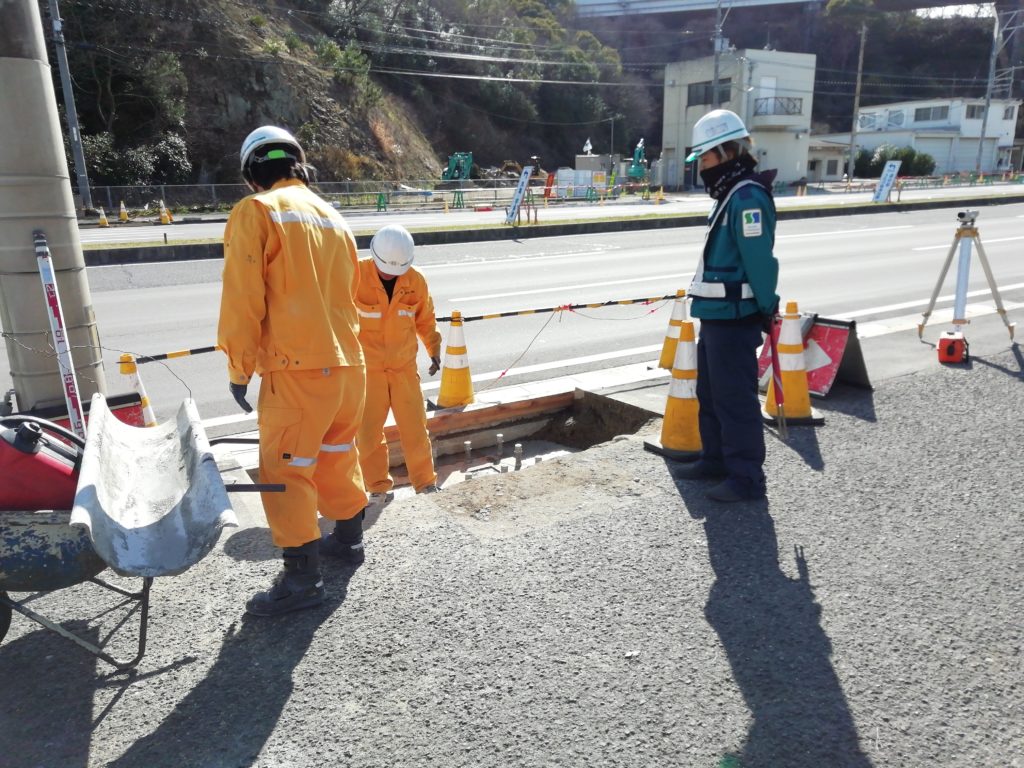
[737,273]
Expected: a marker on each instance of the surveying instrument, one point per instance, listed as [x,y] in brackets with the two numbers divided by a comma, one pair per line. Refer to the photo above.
[952,346]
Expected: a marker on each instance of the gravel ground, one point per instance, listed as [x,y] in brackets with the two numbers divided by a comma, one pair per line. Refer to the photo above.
[593,611]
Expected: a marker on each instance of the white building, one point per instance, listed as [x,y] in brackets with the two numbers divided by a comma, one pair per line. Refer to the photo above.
[772,91]
[946,129]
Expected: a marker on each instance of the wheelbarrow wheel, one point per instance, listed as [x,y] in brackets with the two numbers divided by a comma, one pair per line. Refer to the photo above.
[5,618]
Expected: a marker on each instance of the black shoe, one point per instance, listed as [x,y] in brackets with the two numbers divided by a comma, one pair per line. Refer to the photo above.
[432,488]
[701,470]
[346,541]
[727,493]
[296,587]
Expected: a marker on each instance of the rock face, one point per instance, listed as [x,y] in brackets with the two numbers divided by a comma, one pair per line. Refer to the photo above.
[240,74]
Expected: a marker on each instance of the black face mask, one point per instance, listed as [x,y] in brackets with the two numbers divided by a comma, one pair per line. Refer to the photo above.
[723,177]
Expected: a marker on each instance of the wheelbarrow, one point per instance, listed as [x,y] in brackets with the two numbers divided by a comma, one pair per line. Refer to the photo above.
[147,503]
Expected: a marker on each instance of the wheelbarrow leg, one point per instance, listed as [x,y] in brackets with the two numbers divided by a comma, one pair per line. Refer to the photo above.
[142,596]
[5,615]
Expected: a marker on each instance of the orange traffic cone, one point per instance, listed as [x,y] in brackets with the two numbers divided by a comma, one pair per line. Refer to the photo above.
[165,215]
[123,215]
[103,219]
[796,394]
[668,348]
[680,430]
[456,384]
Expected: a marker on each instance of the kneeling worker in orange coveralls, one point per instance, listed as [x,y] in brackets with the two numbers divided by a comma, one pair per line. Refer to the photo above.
[288,313]
[394,309]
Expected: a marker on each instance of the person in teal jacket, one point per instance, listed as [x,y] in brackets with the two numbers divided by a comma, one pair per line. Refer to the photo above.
[733,296]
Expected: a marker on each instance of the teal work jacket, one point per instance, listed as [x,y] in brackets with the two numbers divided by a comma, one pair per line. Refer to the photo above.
[737,274]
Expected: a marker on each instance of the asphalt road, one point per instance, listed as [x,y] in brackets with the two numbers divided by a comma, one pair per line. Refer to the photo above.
[879,269]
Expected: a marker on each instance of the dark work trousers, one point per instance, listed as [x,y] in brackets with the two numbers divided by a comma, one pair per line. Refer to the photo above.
[730,412]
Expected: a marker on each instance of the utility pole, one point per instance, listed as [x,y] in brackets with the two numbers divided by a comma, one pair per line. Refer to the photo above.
[856,105]
[715,101]
[35,194]
[69,107]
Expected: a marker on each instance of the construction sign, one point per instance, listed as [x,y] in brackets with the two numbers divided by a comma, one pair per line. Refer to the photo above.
[831,353]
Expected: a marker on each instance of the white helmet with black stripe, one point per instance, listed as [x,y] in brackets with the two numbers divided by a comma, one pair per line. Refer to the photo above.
[392,249]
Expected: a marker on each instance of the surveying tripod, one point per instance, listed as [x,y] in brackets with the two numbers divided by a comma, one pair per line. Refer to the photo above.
[953,346]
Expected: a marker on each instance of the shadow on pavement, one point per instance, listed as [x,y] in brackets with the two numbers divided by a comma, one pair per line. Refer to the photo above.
[1018,356]
[46,715]
[228,716]
[803,441]
[769,627]
[849,401]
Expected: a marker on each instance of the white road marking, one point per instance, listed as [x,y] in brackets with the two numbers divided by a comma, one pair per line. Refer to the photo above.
[555,364]
[564,288]
[922,302]
[947,246]
[844,232]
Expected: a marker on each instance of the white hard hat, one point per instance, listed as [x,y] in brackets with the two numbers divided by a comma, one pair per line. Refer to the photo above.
[716,127]
[268,134]
[392,249]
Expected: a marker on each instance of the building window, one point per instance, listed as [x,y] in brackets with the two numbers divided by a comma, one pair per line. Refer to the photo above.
[702,93]
[832,168]
[975,111]
[779,105]
[1008,113]
[930,114]
[812,166]
[866,121]
[895,120]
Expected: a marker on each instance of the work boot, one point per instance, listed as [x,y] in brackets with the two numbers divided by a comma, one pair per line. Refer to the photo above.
[345,543]
[297,586]
[728,492]
[380,498]
[701,470]
[432,488]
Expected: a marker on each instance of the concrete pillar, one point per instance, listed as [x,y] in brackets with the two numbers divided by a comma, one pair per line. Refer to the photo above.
[35,193]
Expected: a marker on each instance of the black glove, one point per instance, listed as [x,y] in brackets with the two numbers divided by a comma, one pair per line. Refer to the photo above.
[238,392]
[435,366]
[768,322]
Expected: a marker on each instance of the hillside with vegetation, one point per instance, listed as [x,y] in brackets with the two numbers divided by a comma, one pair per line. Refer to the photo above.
[386,89]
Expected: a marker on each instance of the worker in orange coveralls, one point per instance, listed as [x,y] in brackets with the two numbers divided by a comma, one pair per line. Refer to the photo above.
[288,314]
[395,309]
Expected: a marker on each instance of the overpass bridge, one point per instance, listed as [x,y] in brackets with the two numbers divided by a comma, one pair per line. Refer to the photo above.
[596,8]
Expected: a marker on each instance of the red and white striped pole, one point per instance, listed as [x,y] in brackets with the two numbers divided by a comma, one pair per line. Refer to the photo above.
[60,337]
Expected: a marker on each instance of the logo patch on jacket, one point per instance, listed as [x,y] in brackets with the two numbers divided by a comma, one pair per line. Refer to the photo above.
[752,222]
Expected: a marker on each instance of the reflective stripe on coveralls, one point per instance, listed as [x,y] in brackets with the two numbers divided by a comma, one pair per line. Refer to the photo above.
[389,334]
[308,461]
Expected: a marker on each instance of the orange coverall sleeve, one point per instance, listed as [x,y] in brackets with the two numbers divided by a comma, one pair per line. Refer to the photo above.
[243,293]
[426,325]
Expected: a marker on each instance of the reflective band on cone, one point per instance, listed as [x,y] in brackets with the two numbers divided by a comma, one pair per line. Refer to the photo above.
[131,370]
[796,394]
[456,384]
[668,349]
[680,429]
